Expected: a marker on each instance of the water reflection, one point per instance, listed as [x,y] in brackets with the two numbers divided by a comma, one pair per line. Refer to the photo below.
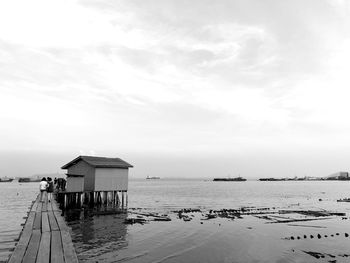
[94,234]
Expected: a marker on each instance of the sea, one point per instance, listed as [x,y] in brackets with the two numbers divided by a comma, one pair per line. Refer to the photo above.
[249,238]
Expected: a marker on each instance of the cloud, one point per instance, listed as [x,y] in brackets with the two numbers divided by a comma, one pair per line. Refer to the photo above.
[246,42]
[174,76]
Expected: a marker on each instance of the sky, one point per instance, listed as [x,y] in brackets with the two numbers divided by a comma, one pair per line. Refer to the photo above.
[177,88]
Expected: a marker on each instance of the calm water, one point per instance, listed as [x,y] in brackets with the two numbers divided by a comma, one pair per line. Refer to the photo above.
[107,239]
[15,199]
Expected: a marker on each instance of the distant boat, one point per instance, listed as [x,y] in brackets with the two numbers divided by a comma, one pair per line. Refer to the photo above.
[236,179]
[28,180]
[271,179]
[153,177]
[6,180]
[344,200]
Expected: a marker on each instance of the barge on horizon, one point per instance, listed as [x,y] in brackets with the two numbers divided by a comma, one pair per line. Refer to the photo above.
[236,179]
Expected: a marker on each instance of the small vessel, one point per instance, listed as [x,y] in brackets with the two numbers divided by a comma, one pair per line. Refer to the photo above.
[28,180]
[6,180]
[344,200]
[152,178]
[271,179]
[236,179]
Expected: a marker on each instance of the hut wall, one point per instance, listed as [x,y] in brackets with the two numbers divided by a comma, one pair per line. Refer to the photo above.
[75,184]
[83,168]
[111,179]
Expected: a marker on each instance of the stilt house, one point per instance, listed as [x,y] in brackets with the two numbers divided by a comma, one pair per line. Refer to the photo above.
[97,174]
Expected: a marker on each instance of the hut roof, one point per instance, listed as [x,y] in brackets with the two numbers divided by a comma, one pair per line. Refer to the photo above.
[99,162]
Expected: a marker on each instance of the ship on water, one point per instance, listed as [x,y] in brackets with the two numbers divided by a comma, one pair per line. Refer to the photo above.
[236,179]
[6,180]
[28,180]
[152,177]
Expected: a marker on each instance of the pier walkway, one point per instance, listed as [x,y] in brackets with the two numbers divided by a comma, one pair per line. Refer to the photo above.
[45,237]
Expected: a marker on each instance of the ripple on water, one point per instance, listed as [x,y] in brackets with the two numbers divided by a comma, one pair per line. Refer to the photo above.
[107,239]
[15,199]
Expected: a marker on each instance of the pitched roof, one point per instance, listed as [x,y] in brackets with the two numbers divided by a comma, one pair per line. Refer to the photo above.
[99,162]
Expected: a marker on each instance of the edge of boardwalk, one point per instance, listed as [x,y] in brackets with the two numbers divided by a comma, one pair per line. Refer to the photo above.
[45,236]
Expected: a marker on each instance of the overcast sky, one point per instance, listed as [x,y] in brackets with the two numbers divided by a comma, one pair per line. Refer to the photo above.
[177,88]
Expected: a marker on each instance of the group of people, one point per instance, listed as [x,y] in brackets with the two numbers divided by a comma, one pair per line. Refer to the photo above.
[60,184]
[46,185]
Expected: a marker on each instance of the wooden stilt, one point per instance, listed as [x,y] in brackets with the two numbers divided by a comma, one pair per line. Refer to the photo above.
[122,200]
[65,201]
[91,199]
[105,198]
[118,199]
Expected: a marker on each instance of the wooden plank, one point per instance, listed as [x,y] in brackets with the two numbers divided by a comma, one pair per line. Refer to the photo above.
[68,248]
[53,223]
[38,209]
[54,206]
[60,221]
[30,221]
[44,248]
[37,221]
[23,242]
[56,247]
[49,206]
[45,226]
[44,207]
[33,247]
[36,202]
[45,237]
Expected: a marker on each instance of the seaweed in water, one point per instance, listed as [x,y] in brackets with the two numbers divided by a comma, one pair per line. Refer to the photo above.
[131,221]
[315,254]
[320,255]
[162,219]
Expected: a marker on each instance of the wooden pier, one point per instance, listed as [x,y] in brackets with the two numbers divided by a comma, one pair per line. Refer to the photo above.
[45,237]
[117,200]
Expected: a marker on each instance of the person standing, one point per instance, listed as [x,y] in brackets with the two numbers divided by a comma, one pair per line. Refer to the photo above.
[49,188]
[59,184]
[43,187]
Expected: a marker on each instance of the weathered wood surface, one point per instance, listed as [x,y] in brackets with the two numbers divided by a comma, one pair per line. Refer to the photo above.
[44,248]
[45,236]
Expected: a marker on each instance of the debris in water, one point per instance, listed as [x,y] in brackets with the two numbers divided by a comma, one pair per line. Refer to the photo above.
[314,254]
[132,221]
[162,219]
[307,226]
